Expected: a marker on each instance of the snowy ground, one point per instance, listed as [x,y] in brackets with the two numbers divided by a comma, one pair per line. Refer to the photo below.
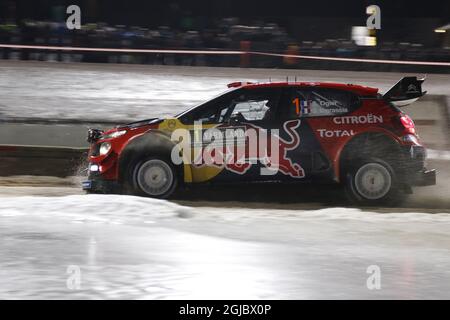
[105,92]
[204,248]
[129,247]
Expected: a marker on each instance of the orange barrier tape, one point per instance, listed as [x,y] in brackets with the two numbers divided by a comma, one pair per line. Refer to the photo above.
[11,46]
[424,63]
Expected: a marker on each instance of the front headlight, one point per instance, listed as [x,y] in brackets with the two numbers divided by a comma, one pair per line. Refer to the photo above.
[114,134]
[105,147]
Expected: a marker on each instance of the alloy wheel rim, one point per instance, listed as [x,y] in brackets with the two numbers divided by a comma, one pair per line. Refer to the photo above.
[373,181]
[155,177]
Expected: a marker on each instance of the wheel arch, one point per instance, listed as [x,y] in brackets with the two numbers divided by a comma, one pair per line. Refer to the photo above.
[368,143]
[153,143]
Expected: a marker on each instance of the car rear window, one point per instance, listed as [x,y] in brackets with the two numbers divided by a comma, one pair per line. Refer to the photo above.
[321,102]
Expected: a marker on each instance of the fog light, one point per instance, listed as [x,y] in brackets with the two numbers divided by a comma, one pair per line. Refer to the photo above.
[94,168]
[104,148]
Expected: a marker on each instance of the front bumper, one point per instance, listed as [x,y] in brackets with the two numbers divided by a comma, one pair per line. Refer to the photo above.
[101,186]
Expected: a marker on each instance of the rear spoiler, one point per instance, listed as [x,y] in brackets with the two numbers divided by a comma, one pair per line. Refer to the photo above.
[406,91]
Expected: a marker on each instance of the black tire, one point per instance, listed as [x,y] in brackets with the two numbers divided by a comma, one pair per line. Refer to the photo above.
[373,182]
[153,177]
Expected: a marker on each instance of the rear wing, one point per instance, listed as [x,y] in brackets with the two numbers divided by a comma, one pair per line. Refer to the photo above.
[406,91]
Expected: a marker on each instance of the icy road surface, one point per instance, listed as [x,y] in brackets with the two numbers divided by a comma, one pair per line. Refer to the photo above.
[106,92]
[130,247]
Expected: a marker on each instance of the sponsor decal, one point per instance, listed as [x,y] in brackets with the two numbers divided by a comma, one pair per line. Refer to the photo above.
[305,107]
[237,149]
[328,104]
[171,124]
[301,106]
[412,89]
[324,133]
[365,119]
[327,111]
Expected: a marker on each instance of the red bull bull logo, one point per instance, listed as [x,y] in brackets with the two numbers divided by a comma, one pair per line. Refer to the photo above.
[237,149]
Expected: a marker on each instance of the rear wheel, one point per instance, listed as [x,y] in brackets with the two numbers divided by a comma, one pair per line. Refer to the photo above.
[154,178]
[373,182]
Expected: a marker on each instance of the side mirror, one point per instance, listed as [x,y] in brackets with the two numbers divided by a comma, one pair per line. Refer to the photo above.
[93,135]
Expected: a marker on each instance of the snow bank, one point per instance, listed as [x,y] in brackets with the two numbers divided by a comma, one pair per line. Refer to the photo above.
[129,209]
[217,253]
[94,208]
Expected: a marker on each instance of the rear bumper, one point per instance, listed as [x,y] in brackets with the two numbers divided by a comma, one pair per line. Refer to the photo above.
[414,167]
[424,178]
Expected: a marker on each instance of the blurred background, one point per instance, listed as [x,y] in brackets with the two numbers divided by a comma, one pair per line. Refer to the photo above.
[248,242]
[317,28]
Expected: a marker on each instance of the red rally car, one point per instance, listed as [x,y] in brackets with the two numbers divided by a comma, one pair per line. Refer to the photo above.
[284,132]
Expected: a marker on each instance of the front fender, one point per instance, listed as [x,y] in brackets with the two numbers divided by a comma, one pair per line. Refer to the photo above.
[153,143]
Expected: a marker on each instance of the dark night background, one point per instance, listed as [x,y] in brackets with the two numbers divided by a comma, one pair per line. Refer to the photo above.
[315,27]
[152,13]
[156,12]
[312,19]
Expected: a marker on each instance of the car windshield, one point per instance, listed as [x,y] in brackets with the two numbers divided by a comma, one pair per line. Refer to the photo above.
[178,115]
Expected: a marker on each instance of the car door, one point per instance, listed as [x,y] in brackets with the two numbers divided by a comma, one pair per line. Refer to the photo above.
[315,107]
[255,112]
[300,104]
[222,150]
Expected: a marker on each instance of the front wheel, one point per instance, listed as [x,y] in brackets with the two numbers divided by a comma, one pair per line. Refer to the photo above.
[373,182]
[154,178]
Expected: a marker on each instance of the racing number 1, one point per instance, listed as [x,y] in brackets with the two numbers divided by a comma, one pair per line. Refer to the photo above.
[296,101]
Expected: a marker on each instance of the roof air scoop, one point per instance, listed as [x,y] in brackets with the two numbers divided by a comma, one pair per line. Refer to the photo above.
[238,84]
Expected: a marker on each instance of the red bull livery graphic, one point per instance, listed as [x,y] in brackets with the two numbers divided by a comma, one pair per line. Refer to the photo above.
[248,145]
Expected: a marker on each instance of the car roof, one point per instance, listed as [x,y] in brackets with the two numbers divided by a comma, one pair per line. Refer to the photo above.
[357,89]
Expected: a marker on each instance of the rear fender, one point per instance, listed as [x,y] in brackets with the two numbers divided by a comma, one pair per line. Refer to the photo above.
[355,143]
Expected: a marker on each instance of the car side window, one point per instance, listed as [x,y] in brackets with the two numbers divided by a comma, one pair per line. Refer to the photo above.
[321,102]
[211,112]
[252,109]
[256,104]
[208,115]
[246,104]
